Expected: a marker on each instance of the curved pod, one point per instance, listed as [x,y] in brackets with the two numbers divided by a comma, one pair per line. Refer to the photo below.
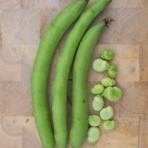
[42,65]
[80,85]
[60,82]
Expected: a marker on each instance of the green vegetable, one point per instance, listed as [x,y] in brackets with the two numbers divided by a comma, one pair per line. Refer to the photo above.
[112,71]
[110,124]
[107,82]
[94,120]
[107,54]
[107,113]
[93,135]
[113,94]
[98,103]
[80,85]
[97,89]
[60,81]
[100,65]
[42,65]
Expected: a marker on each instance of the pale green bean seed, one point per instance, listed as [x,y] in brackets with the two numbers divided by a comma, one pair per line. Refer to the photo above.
[113,94]
[112,71]
[93,135]
[107,82]
[94,120]
[107,54]
[97,89]
[107,113]
[100,65]
[110,124]
[98,103]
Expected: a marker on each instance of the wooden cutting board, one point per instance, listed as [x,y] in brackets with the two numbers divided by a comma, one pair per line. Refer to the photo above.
[22,22]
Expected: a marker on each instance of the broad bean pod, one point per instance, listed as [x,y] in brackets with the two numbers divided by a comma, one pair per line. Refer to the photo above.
[80,84]
[60,82]
[40,74]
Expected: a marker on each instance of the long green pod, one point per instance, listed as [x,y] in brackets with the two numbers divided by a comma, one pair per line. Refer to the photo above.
[60,82]
[42,66]
[80,91]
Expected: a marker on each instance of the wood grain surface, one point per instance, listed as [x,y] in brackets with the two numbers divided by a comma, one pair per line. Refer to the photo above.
[22,23]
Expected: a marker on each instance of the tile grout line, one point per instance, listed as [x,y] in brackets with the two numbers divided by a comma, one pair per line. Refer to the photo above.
[140,63]
[141,132]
